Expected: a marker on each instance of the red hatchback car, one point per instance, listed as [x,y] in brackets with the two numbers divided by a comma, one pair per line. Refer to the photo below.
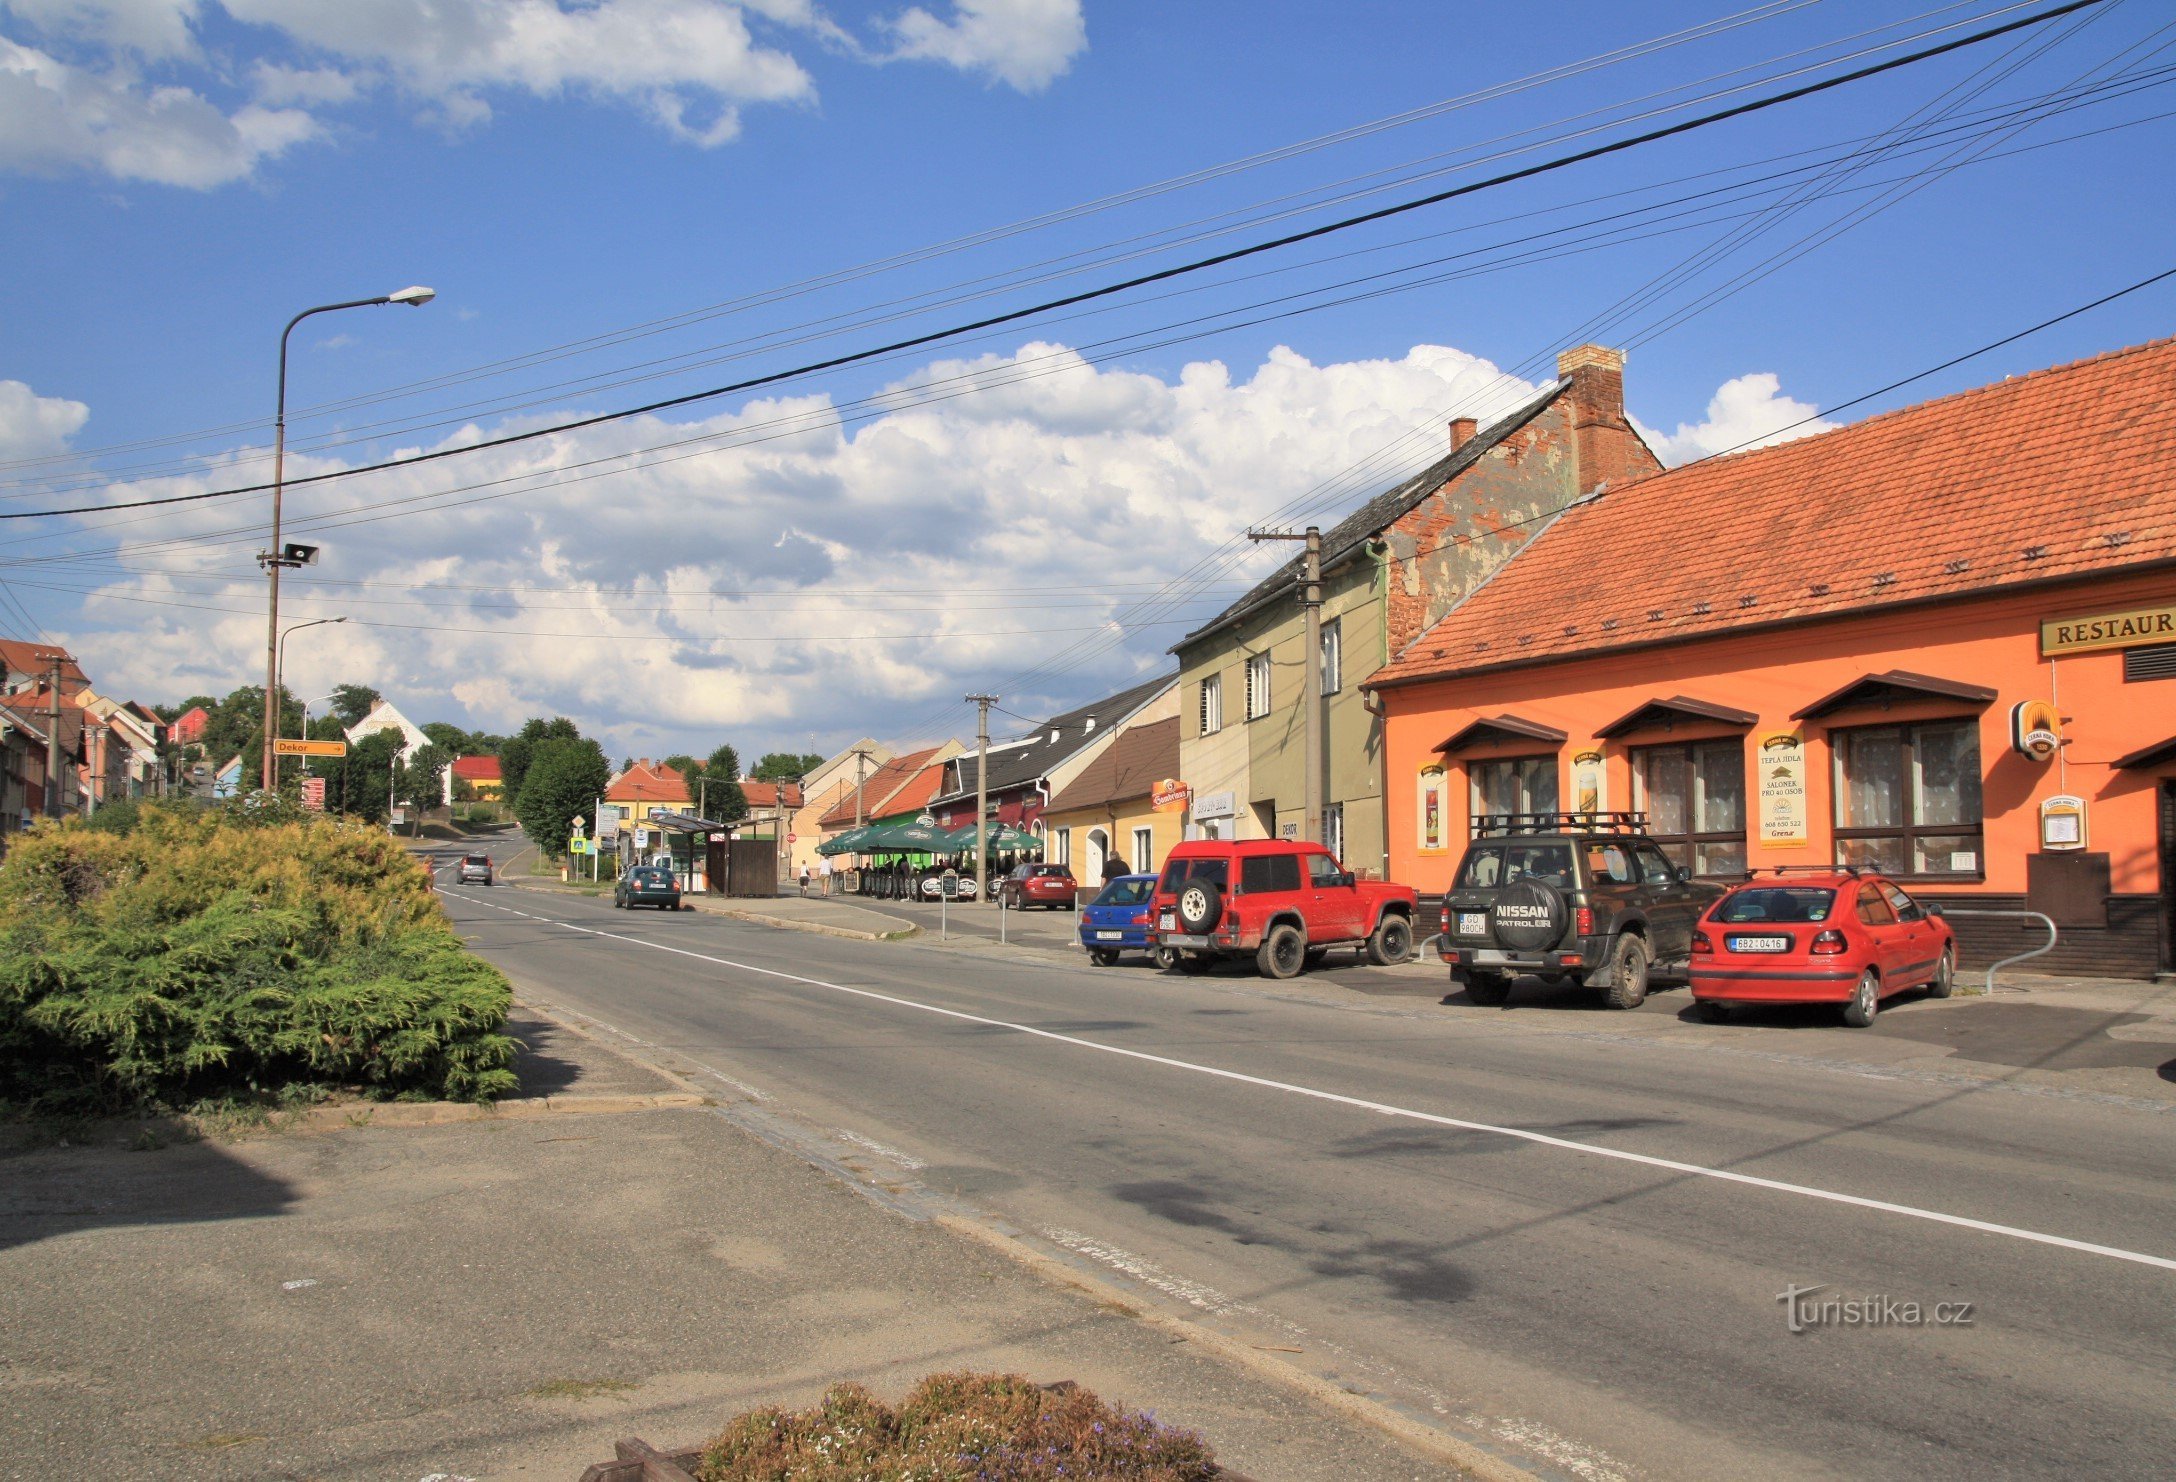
[1837,935]
[1048,885]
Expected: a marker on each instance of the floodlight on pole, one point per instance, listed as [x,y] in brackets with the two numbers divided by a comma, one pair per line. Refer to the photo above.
[275,557]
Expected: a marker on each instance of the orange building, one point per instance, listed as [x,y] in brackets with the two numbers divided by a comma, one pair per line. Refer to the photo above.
[1941,641]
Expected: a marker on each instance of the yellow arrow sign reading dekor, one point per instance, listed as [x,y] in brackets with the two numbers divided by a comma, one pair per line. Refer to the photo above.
[287,746]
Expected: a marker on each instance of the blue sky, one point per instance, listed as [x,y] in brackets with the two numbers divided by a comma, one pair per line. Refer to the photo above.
[577,181]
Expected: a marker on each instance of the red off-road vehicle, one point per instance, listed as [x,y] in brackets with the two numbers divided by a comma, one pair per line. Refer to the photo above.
[1285,904]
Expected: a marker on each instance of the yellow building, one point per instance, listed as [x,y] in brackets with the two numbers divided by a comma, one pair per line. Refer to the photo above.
[1109,809]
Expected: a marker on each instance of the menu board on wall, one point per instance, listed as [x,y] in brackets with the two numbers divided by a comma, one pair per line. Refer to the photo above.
[1781,759]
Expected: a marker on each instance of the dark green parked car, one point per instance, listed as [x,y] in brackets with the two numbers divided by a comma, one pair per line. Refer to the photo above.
[647,885]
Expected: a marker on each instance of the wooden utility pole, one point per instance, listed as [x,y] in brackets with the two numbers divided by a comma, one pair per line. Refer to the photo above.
[1313,722]
[982,704]
[861,763]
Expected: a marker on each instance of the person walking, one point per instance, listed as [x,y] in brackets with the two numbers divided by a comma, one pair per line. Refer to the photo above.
[804,882]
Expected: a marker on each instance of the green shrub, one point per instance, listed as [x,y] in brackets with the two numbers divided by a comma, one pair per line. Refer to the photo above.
[235,954]
[956,1428]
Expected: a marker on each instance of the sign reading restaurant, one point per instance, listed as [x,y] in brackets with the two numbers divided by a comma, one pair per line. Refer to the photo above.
[2129,627]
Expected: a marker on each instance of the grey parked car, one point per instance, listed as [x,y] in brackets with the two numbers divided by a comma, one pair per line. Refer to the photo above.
[475,869]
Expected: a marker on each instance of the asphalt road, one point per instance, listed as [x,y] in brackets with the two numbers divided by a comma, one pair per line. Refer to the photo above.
[1571,1244]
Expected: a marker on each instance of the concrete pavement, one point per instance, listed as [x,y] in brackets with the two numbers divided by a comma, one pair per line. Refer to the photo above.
[506,1299]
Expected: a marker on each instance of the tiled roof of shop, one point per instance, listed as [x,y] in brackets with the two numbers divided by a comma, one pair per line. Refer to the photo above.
[1381,512]
[2061,473]
[878,787]
[1135,763]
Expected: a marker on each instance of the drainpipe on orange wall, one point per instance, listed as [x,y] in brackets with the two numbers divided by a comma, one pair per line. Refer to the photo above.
[1371,700]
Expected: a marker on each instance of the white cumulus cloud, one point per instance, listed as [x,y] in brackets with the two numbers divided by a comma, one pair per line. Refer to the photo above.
[1026,44]
[34,426]
[1746,412]
[840,578]
[56,117]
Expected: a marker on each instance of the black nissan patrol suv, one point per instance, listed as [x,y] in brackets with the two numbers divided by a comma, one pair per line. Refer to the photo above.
[1574,897]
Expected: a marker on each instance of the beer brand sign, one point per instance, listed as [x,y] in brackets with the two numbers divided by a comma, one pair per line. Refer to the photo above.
[2130,627]
[1169,796]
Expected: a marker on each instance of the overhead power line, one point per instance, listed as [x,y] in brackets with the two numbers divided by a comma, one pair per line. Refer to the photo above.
[932,337]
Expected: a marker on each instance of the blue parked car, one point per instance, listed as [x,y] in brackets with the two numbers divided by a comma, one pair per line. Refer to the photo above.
[1117,919]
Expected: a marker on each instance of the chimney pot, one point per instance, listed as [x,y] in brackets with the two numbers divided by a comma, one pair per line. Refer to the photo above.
[1462,431]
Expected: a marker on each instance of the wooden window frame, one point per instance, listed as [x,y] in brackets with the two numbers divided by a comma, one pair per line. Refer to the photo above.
[1909,832]
[1691,841]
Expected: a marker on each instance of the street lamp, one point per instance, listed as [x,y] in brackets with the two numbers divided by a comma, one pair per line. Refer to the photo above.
[279,676]
[278,556]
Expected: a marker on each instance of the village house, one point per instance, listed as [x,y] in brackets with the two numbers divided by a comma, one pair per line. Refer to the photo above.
[1025,773]
[1113,806]
[823,790]
[1389,569]
[475,779]
[1941,642]
[897,791]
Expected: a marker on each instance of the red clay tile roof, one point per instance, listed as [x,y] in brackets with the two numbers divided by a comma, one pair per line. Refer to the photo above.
[640,784]
[765,794]
[23,659]
[2062,473]
[878,788]
[478,768]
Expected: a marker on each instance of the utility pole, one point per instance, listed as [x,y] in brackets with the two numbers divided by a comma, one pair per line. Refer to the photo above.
[1313,722]
[861,762]
[53,661]
[982,704]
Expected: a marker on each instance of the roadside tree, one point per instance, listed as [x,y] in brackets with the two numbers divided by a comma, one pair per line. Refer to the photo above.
[785,766]
[564,778]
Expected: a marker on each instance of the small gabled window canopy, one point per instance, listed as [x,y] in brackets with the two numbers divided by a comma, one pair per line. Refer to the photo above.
[1501,728]
[1893,687]
[1677,710]
[2147,756]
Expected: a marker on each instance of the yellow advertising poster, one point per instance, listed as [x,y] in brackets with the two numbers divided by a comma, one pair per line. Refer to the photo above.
[1587,782]
[1433,802]
[1781,763]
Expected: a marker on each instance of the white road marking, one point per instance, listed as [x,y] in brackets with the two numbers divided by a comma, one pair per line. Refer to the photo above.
[1520,1134]
[905,1160]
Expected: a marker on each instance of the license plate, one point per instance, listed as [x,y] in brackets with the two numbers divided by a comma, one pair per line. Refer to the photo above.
[1472,923]
[1167,922]
[1759,944]
[1110,936]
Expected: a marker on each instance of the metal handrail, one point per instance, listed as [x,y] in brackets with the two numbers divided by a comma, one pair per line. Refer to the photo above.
[2039,951]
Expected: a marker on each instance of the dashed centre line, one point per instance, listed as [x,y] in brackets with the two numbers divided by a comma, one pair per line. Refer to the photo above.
[1361,1103]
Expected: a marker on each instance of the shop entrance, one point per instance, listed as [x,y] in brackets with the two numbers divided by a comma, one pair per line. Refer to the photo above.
[2168,876]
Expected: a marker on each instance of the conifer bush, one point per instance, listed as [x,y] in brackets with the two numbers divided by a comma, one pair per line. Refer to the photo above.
[957,1428]
[235,954]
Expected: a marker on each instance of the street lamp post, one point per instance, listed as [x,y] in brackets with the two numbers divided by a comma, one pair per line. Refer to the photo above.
[279,680]
[275,558]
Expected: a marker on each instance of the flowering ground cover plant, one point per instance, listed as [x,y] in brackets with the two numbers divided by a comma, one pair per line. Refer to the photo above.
[957,1428]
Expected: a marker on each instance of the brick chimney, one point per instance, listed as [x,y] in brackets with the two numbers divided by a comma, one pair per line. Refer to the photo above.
[1462,431]
[1609,450]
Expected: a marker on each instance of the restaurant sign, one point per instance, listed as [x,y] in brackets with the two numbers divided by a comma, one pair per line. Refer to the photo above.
[2129,627]
[1169,795]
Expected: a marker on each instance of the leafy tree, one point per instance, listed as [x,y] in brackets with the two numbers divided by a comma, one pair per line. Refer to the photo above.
[785,766]
[713,785]
[358,784]
[516,751]
[236,727]
[172,713]
[423,779]
[563,779]
[451,739]
[351,702]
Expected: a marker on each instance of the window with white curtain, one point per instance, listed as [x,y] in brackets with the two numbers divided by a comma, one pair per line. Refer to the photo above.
[1212,705]
[1257,686]
[1333,656]
[1144,851]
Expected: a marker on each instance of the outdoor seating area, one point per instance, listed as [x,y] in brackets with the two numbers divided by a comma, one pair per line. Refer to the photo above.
[912,860]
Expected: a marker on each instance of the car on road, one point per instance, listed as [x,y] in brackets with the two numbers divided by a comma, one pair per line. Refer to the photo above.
[474,869]
[1282,902]
[1582,898]
[1117,920]
[1819,935]
[647,885]
[1050,885]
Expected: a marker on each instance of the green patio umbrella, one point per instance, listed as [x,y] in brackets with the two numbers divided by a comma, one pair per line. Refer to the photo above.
[998,836]
[847,842]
